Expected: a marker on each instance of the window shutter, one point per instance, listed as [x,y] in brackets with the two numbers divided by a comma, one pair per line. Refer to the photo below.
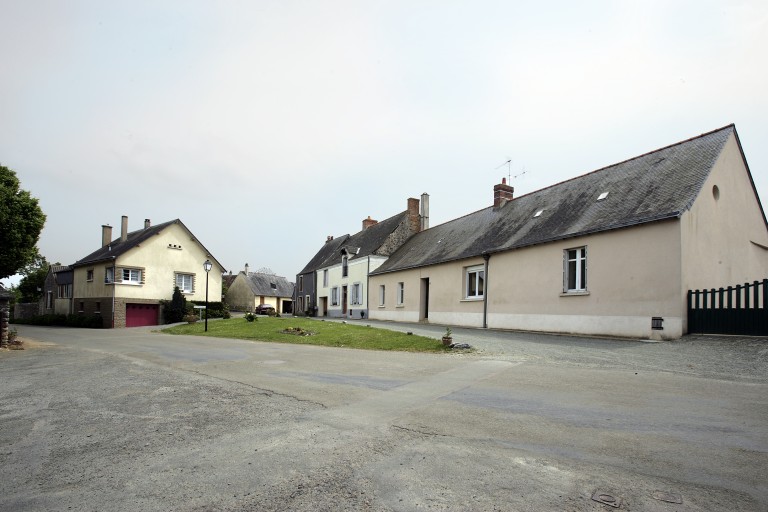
[565,271]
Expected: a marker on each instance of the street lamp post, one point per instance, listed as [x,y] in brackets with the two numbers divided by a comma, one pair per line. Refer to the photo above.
[207,266]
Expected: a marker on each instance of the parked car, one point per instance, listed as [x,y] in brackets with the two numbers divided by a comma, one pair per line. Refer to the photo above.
[264,309]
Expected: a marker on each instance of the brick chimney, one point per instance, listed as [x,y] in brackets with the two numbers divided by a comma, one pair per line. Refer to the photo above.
[413,214]
[124,228]
[369,222]
[106,234]
[502,193]
[147,224]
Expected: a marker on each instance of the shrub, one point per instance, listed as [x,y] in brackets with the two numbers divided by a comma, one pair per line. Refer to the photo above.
[174,310]
[251,317]
[215,309]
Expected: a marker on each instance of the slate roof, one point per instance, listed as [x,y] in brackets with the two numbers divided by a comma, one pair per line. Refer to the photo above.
[117,247]
[327,251]
[658,185]
[363,243]
[269,285]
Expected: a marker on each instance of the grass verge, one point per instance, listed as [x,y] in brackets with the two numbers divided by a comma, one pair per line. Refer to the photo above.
[327,334]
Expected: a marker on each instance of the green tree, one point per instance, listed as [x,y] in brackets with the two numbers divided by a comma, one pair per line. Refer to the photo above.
[31,285]
[21,221]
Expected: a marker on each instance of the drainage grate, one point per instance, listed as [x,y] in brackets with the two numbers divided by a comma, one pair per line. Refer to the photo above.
[669,497]
[606,499]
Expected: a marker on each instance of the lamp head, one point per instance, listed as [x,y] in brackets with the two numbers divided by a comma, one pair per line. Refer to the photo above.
[207,265]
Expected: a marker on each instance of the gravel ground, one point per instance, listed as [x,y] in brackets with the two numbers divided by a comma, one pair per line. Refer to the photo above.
[126,420]
[718,357]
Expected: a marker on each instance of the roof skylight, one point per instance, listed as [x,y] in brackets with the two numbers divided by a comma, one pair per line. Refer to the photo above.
[538,213]
[602,196]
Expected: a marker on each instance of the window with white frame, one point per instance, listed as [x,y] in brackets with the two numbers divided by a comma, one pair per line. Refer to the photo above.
[474,282]
[335,296]
[186,283]
[382,294]
[575,270]
[89,275]
[109,275]
[325,278]
[301,283]
[400,293]
[356,294]
[132,275]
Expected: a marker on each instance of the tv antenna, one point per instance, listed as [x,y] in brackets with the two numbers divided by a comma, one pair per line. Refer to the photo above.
[508,163]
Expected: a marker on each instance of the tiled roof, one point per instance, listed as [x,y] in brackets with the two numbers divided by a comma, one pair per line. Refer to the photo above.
[363,243]
[328,250]
[117,247]
[658,185]
[269,285]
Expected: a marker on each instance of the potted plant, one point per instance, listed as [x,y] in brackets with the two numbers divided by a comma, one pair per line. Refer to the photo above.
[447,338]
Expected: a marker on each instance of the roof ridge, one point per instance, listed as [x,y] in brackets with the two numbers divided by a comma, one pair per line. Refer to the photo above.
[691,139]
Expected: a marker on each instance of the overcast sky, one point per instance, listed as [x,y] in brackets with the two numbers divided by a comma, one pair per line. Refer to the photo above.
[267,125]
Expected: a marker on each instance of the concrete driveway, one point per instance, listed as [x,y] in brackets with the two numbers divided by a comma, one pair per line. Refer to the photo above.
[135,420]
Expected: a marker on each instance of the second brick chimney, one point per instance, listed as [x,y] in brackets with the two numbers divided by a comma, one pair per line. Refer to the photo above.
[502,193]
[369,222]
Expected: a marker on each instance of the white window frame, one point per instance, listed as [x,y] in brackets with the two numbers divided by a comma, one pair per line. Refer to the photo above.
[109,275]
[325,278]
[335,296]
[575,270]
[356,293]
[89,275]
[181,287]
[474,282]
[301,283]
[382,295]
[400,300]
[133,276]
[345,266]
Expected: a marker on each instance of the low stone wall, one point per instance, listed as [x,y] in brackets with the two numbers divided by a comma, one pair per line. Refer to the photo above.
[26,310]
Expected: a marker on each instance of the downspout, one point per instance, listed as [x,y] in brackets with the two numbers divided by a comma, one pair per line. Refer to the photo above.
[486,257]
[367,286]
[113,290]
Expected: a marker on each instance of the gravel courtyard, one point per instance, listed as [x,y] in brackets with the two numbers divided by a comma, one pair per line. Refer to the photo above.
[135,420]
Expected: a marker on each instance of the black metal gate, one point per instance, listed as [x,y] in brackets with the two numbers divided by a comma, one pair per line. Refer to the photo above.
[741,309]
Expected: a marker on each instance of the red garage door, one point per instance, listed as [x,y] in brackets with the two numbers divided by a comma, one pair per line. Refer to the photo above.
[137,315]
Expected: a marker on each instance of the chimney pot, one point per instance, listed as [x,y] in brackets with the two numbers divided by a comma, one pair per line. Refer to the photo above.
[246,269]
[147,224]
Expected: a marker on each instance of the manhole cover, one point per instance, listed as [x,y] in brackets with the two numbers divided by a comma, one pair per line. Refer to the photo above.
[669,497]
[606,499]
